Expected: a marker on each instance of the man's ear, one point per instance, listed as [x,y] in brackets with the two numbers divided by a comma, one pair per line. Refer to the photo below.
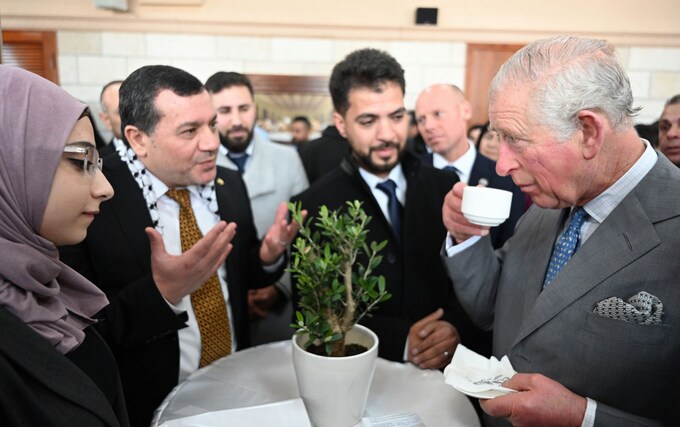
[137,139]
[340,123]
[592,129]
[465,110]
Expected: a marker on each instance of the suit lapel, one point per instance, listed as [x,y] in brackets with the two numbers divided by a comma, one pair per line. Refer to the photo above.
[259,177]
[224,199]
[479,170]
[428,159]
[626,234]
[129,208]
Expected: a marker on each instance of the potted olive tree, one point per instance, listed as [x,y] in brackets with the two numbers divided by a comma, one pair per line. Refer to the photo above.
[334,357]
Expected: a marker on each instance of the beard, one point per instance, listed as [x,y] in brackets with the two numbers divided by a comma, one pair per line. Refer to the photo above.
[236,145]
[377,167]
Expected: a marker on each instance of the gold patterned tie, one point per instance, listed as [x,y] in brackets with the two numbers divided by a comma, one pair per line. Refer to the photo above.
[208,300]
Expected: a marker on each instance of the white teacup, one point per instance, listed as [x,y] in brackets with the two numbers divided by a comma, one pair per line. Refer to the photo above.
[486,206]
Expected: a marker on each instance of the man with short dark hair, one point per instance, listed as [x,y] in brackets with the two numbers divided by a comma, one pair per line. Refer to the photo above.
[273,173]
[584,297]
[422,323]
[158,250]
[300,127]
[669,130]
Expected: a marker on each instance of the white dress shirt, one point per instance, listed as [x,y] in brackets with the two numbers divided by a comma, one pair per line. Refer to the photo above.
[396,175]
[168,209]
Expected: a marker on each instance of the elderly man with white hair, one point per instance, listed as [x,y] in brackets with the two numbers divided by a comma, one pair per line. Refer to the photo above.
[584,298]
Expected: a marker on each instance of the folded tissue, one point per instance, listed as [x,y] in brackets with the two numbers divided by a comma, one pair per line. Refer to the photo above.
[476,376]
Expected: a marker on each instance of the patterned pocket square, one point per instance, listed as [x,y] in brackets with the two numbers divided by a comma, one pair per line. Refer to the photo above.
[642,308]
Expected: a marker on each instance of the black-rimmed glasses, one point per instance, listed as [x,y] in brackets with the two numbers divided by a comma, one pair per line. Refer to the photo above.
[91,160]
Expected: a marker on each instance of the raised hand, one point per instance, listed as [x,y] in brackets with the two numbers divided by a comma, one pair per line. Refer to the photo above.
[179,275]
[279,236]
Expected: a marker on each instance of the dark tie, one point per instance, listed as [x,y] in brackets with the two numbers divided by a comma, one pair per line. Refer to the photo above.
[394,208]
[239,161]
[207,301]
[451,169]
[566,245]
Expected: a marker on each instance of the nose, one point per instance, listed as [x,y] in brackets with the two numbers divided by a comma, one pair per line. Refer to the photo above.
[386,130]
[236,117]
[506,162]
[101,188]
[674,131]
[209,141]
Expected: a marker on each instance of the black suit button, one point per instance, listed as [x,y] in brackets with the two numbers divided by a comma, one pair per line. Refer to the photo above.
[391,258]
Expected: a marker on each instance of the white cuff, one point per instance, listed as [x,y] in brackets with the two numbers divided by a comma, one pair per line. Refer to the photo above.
[452,248]
[589,417]
[178,308]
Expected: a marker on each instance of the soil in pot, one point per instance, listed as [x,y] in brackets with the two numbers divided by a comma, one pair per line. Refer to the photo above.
[350,349]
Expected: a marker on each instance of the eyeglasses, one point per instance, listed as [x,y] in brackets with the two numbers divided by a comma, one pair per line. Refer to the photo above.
[91,161]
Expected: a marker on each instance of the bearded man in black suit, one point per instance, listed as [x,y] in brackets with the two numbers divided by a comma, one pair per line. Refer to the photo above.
[422,323]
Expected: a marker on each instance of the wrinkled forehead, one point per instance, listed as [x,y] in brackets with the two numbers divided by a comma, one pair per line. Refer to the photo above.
[509,103]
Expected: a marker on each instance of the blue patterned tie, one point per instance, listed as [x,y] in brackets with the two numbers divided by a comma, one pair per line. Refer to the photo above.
[239,161]
[566,245]
[394,208]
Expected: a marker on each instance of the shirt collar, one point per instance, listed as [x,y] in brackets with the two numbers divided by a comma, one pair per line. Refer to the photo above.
[160,188]
[396,175]
[601,206]
[463,164]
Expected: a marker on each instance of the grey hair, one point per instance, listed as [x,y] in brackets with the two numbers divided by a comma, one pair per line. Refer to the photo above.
[565,75]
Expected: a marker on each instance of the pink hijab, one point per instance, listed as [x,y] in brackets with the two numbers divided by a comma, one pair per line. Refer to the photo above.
[36,118]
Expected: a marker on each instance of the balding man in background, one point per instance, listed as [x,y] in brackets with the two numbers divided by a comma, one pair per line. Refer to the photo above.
[110,116]
[442,113]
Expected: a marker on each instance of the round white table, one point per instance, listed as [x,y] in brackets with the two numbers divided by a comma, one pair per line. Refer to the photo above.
[265,374]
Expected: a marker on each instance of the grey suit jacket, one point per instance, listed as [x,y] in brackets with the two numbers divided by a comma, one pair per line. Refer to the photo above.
[631,370]
[273,175]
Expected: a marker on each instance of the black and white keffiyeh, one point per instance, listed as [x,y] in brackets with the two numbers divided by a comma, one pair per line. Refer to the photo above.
[141,176]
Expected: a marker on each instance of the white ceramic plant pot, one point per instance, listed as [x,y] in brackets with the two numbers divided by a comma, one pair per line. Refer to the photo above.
[335,389]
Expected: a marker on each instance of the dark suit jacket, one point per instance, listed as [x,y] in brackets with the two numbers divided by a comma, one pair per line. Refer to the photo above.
[107,149]
[413,271]
[485,168]
[323,154]
[40,386]
[140,326]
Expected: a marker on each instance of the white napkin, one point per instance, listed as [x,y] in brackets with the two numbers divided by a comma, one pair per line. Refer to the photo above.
[477,376]
[287,413]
